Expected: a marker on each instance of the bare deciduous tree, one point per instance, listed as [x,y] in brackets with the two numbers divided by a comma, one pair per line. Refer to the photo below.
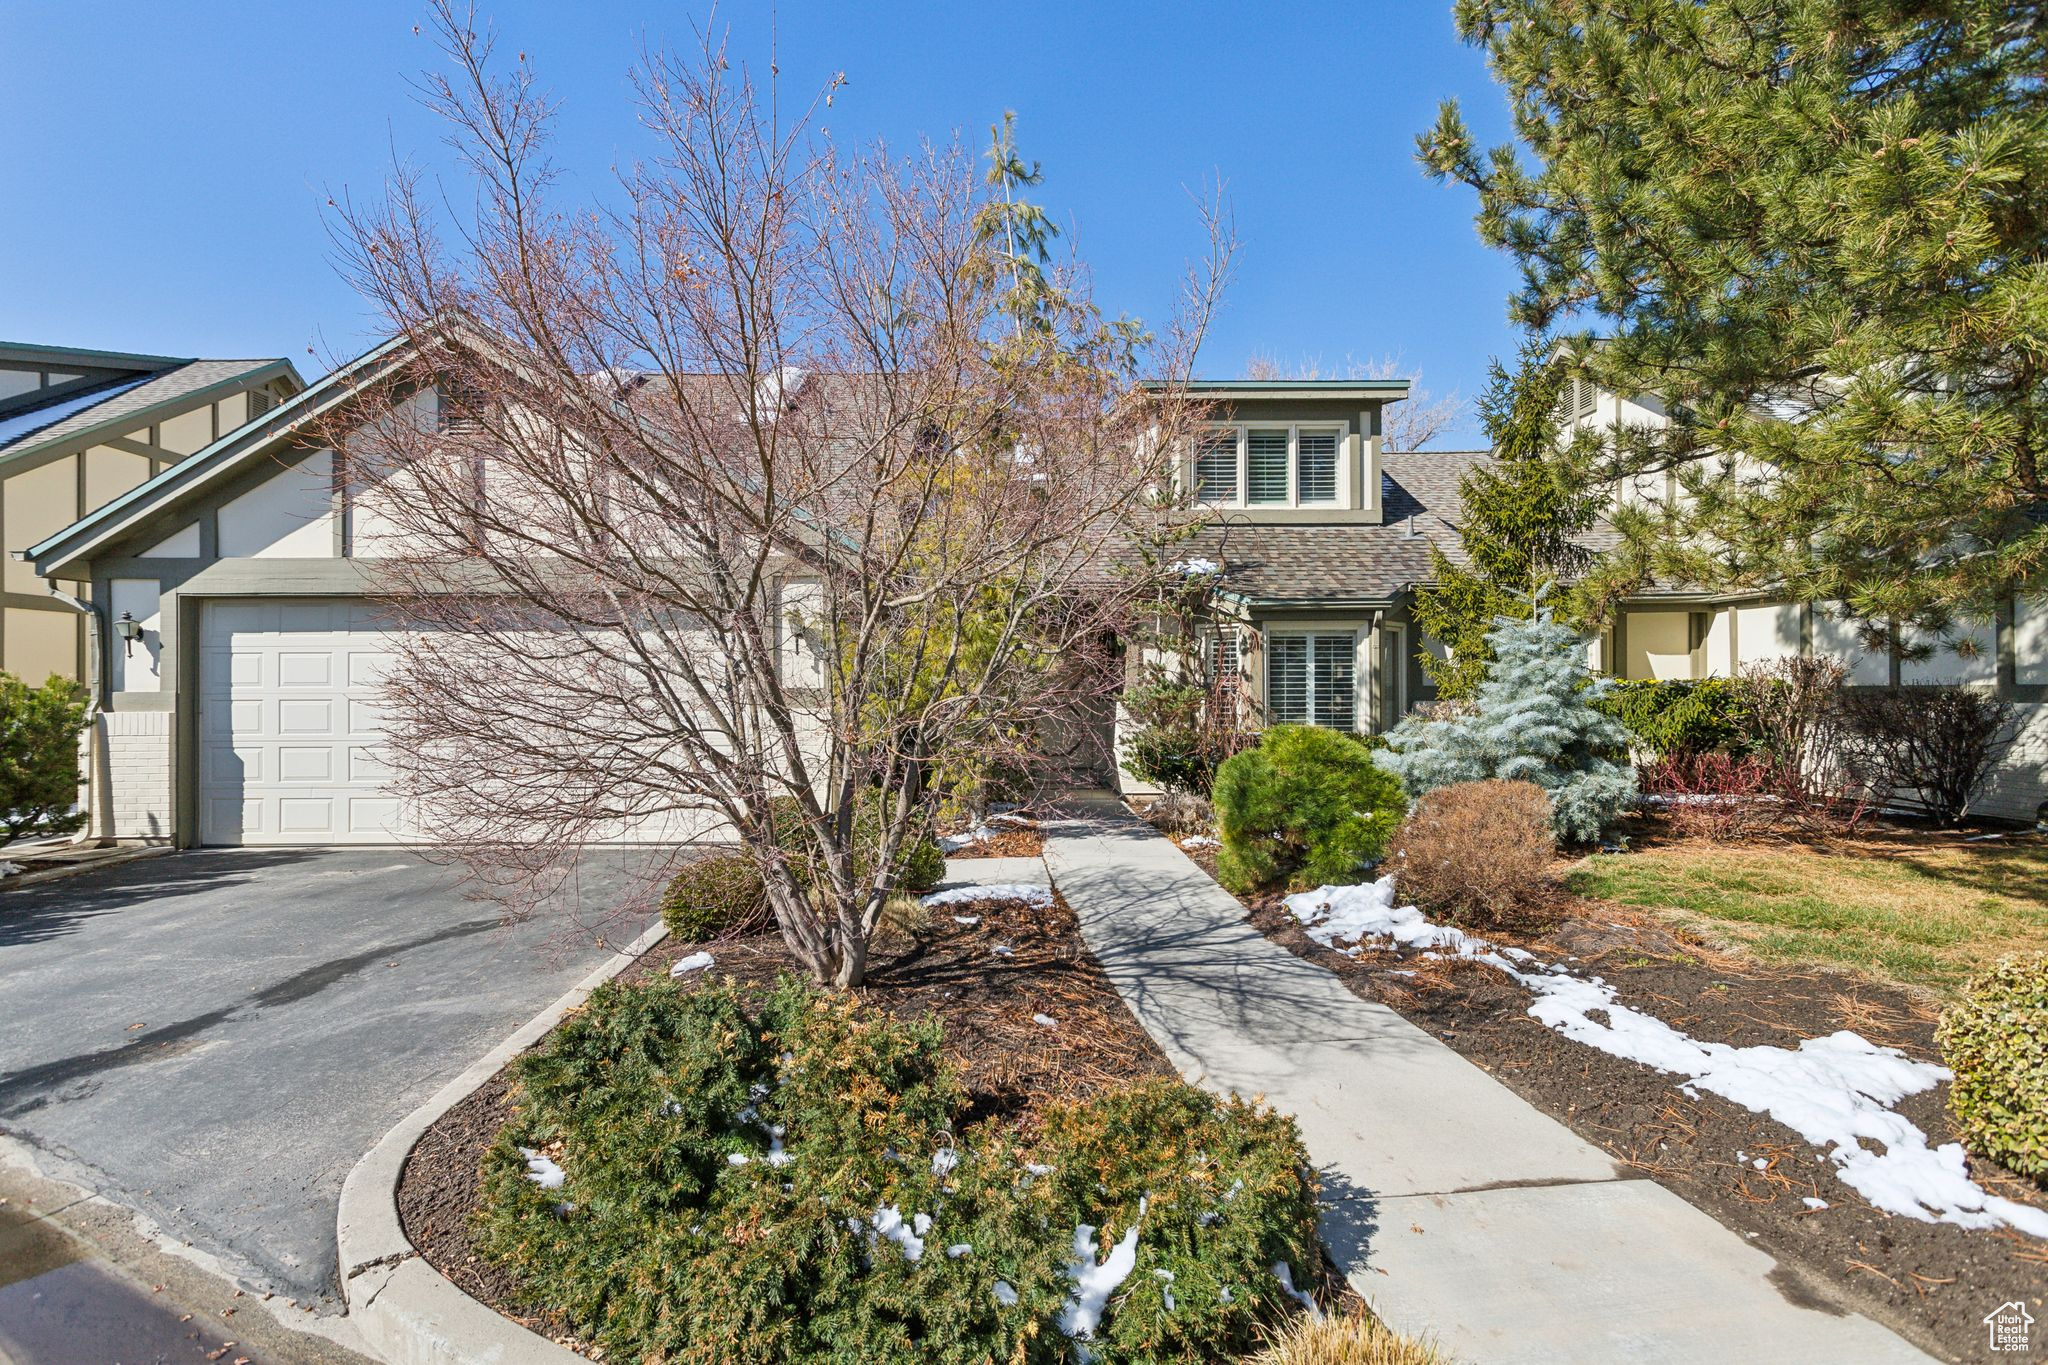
[767,500]
[1409,425]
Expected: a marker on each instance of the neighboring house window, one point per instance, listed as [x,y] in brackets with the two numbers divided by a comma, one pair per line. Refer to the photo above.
[1585,397]
[1216,467]
[1310,679]
[1269,466]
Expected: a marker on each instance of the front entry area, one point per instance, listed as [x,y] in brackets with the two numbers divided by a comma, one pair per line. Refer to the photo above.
[290,726]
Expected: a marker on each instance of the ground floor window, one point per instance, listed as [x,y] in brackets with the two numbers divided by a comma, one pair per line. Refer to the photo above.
[1310,679]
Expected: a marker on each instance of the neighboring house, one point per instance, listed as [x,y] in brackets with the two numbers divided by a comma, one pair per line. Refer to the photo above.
[1673,634]
[79,428]
[247,709]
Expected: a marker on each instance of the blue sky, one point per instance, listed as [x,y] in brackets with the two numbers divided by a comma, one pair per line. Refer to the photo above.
[168,163]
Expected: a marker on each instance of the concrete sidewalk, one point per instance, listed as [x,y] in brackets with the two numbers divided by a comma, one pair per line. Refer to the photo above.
[1457,1209]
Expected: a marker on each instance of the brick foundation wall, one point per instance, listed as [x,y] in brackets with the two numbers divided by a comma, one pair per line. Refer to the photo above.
[137,749]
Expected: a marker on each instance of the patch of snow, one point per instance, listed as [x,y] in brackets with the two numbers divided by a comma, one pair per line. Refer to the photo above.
[1003,950]
[969,920]
[1031,893]
[10,869]
[776,1156]
[1836,1091]
[541,1169]
[1201,841]
[1761,1164]
[1284,1273]
[1167,1277]
[943,1162]
[1005,1295]
[1813,1203]
[1094,1282]
[1045,1019]
[953,843]
[1368,910]
[695,962]
[1037,1169]
[1196,566]
[959,1249]
[888,1222]
[737,1158]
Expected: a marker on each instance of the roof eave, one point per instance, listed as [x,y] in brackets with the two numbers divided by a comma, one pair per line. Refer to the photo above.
[143,416]
[78,540]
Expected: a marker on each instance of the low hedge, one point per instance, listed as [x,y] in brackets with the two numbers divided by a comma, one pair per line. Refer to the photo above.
[1308,805]
[751,1176]
[1995,1040]
[1679,717]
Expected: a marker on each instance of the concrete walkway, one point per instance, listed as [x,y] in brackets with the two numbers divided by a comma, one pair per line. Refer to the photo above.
[1457,1209]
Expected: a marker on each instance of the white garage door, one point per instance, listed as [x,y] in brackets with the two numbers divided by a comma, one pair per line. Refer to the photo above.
[289,725]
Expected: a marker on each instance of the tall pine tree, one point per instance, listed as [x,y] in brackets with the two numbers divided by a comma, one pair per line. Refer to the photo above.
[1521,513]
[1819,230]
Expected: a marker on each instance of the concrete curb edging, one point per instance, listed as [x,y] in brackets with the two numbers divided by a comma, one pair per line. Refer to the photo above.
[403,1307]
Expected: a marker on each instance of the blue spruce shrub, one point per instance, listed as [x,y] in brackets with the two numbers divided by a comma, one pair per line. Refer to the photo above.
[1536,718]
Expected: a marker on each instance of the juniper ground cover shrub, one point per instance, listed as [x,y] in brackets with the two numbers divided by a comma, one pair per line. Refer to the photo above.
[745,1176]
[1681,717]
[1307,805]
[1995,1039]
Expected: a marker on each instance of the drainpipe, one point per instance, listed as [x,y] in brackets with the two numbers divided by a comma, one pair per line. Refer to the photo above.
[95,655]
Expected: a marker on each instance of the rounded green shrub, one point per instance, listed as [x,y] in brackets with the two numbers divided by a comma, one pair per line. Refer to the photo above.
[1307,805]
[1995,1040]
[716,894]
[744,1176]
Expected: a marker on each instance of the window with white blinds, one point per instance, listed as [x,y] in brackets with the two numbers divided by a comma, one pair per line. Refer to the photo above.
[1311,679]
[1273,466]
[1216,467]
[1265,455]
[1316,478]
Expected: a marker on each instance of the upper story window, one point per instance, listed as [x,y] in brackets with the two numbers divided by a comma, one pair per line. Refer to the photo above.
[1269,466]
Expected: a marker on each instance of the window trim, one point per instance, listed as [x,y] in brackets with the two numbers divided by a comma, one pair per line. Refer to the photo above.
[1242,500]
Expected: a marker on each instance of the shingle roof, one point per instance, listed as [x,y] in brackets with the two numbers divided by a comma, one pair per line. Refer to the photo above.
[1332,564]
[121,400]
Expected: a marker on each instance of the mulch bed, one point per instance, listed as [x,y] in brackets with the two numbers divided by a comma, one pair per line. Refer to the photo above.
[1015,842]
[1009,1065]
[1931,1282]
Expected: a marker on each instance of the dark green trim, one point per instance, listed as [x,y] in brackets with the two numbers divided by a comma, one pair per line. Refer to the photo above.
[149,415]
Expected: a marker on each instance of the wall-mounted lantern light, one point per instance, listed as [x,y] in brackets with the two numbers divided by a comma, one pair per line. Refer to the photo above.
[130,630]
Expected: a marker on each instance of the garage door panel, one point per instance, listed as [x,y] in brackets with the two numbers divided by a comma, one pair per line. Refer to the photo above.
[305,668]
[291,727]
[305,763]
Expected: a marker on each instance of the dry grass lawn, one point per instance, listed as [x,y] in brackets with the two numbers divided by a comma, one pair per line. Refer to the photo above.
[1920,909]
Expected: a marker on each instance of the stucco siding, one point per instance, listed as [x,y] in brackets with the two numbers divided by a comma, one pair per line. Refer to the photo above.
[289,515]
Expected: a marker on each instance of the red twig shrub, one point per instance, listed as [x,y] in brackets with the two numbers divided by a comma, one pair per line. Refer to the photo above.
[1475,852]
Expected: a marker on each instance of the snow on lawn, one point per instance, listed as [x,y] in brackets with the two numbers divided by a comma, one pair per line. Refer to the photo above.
[1031,893]
[695,962]
[1837,1092]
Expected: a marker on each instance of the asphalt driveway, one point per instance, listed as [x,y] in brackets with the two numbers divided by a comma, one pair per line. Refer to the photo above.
[214,1038]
